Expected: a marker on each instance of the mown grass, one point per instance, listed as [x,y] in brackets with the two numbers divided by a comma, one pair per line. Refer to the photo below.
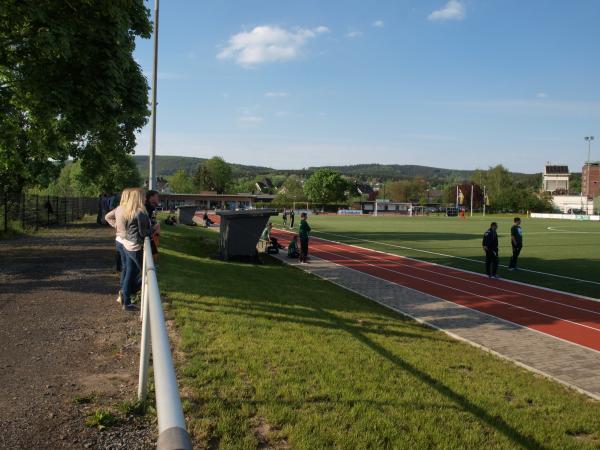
[568,248]
[274,357]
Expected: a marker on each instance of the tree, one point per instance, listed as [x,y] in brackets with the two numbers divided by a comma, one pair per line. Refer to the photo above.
[293,189]
[213,175]
[406,190]
[326,186]
[181,183]
[69,87]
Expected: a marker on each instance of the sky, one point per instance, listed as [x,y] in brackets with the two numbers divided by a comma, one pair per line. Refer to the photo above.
[459,84]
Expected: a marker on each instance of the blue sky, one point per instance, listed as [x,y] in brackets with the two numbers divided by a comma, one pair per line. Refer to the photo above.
[457,84]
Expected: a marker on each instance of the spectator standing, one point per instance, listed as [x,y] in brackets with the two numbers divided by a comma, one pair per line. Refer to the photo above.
[292,218]
[304,232]
[138,227]
[490,246]
[151,204]
[516,240]
[285,215]
[116,220]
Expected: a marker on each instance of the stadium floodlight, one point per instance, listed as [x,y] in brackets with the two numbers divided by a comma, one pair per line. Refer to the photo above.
[589,140]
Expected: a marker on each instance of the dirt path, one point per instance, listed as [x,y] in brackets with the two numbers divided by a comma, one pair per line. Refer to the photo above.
[66,349]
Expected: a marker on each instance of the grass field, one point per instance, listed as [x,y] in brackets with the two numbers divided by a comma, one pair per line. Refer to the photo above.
[554,247]
[272,357]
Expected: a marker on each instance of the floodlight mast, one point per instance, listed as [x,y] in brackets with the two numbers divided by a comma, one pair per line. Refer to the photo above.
[152,155]
[589,140]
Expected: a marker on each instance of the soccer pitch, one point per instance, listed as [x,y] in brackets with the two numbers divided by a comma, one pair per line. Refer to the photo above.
[557,254]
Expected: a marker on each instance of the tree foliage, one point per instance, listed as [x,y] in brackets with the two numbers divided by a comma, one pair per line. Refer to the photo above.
[69,87]
[181,183]
[74,182]
[213,175]
[405,190]
[326,186]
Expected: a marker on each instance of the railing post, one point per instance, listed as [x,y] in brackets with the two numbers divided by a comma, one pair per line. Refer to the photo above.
[48,206]
[144,347]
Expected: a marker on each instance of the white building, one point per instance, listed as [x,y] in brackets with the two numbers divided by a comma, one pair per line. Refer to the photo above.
[556,179]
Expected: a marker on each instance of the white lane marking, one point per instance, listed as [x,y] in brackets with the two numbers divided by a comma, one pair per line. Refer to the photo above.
[464,292]
[522,294]
[455,257]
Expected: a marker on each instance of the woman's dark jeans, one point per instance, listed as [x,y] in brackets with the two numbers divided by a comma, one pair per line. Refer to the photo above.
[132,281]
[123,262]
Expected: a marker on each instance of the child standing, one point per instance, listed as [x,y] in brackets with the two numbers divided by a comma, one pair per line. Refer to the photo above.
[304,232]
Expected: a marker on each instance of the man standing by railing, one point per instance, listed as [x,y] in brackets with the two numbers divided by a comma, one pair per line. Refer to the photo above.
[152,201]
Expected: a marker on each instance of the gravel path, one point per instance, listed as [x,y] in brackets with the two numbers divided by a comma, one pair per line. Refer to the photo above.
[66,348]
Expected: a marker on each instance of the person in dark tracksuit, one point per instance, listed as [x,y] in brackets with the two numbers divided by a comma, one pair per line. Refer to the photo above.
[303,232]
[490,246]
[292,218]
[516,240]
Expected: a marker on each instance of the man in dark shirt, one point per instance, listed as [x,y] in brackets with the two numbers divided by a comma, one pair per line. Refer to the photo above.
[292,218]
[516,240]
[151,205]
[490,246]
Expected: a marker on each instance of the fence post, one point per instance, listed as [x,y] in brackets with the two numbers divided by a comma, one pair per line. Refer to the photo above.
[6,212]
[22,202]
[37,205]
[48,206]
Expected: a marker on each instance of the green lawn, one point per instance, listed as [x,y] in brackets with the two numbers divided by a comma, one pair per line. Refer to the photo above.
[272,357]
[569,248]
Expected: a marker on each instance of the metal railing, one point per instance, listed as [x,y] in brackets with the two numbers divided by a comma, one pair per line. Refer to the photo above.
[172,434]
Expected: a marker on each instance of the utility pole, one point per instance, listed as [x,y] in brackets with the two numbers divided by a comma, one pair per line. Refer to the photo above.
[152,155]
[589,140]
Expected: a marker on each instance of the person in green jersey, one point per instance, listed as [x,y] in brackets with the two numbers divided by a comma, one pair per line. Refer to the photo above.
[303,232]
[516,240]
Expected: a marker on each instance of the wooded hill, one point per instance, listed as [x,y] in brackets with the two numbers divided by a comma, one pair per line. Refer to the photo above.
[168,165]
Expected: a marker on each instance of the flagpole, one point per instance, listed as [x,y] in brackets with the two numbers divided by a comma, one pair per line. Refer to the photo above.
[457,196]
[152,154]
[471,199]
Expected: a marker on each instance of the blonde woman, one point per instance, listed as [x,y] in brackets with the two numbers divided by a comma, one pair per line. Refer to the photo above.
[115,219]
[137,228]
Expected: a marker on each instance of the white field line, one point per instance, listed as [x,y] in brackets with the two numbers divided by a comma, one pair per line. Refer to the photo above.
[450,333]
[454,257]
[498,288]
[558,230]
[462,291]
[455,268]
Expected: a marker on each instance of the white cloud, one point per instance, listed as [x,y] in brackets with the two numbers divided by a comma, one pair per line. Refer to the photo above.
[541,95]
[282,113]
[276,94]
[378,24]
[354,34]
[267,43]
[453,10]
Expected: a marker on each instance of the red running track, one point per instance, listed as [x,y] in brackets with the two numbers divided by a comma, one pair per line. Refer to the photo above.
[562,315]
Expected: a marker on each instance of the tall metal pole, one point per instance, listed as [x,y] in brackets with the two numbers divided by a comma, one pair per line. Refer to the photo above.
[589,140]
[152,156]
[471,199]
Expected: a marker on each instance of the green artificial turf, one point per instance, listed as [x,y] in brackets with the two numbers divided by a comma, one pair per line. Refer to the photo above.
[272,357]
[569,248]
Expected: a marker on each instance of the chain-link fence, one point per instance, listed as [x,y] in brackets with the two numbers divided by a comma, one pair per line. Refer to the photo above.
[22,211]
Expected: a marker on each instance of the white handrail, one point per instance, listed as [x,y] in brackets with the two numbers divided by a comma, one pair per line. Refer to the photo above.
[172,434]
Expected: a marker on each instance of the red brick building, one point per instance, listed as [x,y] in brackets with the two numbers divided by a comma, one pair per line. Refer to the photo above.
[590,179]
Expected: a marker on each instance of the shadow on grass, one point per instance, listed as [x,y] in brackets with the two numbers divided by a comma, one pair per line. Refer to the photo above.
[493,421]
[243,290]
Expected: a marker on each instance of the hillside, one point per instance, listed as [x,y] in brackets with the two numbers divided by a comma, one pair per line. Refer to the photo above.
[168,165]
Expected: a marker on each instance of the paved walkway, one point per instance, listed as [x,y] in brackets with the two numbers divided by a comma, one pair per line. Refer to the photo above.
[568,363]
